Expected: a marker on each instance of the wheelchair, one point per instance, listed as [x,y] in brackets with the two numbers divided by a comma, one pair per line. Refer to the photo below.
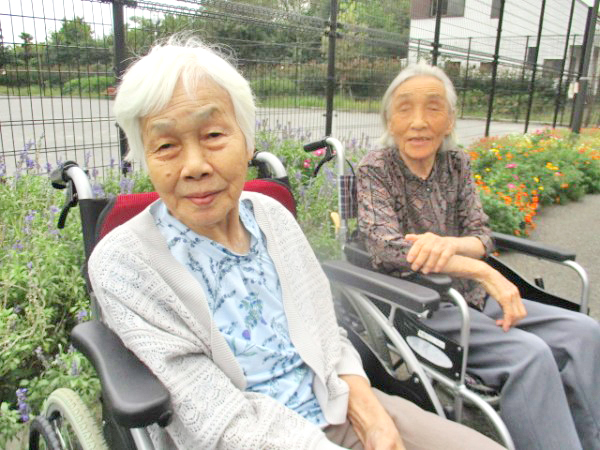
[132,398]
[444,360]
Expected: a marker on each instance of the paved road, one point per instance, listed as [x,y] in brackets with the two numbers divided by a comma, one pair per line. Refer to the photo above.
[71,128]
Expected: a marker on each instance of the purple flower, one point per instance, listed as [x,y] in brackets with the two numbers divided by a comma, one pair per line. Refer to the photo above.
[17,309]
[81,315]
[74,368]
[30,265]
[126,185]
[22,405]
[97,190]
[48,167]
[18,245]
[112,163]
[246,334]
[29,217]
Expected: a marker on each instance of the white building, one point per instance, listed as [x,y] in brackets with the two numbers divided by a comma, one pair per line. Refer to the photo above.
[470,27]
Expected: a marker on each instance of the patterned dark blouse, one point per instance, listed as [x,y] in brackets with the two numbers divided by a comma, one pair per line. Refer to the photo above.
[392,202]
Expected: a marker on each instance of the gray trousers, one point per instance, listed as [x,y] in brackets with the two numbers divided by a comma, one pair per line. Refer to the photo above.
[547,369]
[419,429]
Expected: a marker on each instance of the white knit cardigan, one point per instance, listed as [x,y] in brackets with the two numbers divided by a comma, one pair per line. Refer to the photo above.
[158,309]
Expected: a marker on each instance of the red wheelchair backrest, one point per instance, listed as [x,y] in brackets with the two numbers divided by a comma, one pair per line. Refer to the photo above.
[123,207]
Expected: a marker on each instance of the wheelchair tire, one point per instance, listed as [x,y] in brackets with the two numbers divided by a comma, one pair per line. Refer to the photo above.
[42,435]
[72,421]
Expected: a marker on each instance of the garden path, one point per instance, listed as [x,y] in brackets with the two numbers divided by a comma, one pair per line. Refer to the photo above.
[573,226]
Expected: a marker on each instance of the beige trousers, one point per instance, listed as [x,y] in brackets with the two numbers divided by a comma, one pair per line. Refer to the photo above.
[419,429]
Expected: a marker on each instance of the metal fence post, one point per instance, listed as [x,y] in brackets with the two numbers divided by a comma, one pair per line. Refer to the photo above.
[562,66]
[494,69]
[466,81]
[436,36]
[120,66]
[331,67]
[522,83]
[534,69]
[580,97]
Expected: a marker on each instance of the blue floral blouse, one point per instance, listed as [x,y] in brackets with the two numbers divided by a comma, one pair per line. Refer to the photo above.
[244,295]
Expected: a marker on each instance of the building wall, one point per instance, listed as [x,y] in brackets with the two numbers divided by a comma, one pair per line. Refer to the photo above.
[478,28]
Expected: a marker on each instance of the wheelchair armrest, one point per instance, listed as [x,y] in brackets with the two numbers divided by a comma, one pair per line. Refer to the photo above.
[439,282]
[358,256]
[508,242]
[398,291]
[131,392]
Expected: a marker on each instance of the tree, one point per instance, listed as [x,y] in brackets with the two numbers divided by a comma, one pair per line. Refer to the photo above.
[26,46]
[73,44]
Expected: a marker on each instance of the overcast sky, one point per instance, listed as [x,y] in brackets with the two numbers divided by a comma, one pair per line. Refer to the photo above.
[17,16]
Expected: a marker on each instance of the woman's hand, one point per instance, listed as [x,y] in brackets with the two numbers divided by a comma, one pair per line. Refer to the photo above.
[507,295]
[370,421]
[430,252]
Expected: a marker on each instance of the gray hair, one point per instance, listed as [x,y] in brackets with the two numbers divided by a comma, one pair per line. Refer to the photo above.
[410,71]
[149,83]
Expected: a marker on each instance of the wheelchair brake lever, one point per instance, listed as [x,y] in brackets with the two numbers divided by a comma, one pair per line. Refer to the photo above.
[70,202]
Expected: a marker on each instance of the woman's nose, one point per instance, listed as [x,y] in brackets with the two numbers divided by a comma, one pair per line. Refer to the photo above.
[418,119]
[195,163]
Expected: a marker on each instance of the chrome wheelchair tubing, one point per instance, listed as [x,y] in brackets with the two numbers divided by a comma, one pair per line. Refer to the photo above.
[340,161]
[81,181]
[585,284]
[276,166]
[465,332]
[462,391]
[142,439]
[386,324]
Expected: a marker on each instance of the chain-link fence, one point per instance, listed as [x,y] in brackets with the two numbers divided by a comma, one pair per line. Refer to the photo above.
[317,67]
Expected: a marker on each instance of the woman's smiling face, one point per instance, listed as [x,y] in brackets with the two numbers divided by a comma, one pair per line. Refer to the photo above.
[419,119]
[197,157]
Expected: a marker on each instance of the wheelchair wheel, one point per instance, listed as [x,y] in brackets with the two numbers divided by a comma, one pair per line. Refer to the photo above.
[42,435]
[72,422]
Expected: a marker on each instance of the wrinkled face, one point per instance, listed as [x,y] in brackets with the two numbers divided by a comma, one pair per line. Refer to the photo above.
[197,158]
[419,118]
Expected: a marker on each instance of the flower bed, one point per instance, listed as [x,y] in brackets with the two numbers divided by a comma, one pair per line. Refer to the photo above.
[518,174]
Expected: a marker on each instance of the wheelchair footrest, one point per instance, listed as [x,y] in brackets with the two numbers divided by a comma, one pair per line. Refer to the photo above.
[130,391]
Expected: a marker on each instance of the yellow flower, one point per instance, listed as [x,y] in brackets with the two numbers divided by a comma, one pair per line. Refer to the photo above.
[541,188]
[487,169]
[536,179]
[477,176]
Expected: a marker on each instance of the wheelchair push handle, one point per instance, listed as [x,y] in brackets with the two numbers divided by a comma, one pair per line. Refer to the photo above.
[74,180]
[333,149]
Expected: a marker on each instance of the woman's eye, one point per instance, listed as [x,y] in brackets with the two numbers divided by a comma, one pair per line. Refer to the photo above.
[215,134]
[165,146]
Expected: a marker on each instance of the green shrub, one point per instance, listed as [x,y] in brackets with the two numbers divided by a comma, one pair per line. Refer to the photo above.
[88,85]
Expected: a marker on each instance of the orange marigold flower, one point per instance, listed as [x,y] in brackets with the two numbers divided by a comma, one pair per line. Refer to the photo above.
[564,185]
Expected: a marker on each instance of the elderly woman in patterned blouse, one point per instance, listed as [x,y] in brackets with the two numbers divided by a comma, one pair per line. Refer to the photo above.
[218,292]
[419,210]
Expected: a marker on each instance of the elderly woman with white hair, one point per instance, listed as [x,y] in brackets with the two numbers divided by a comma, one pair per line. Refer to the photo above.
[218,292]
[419,210]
